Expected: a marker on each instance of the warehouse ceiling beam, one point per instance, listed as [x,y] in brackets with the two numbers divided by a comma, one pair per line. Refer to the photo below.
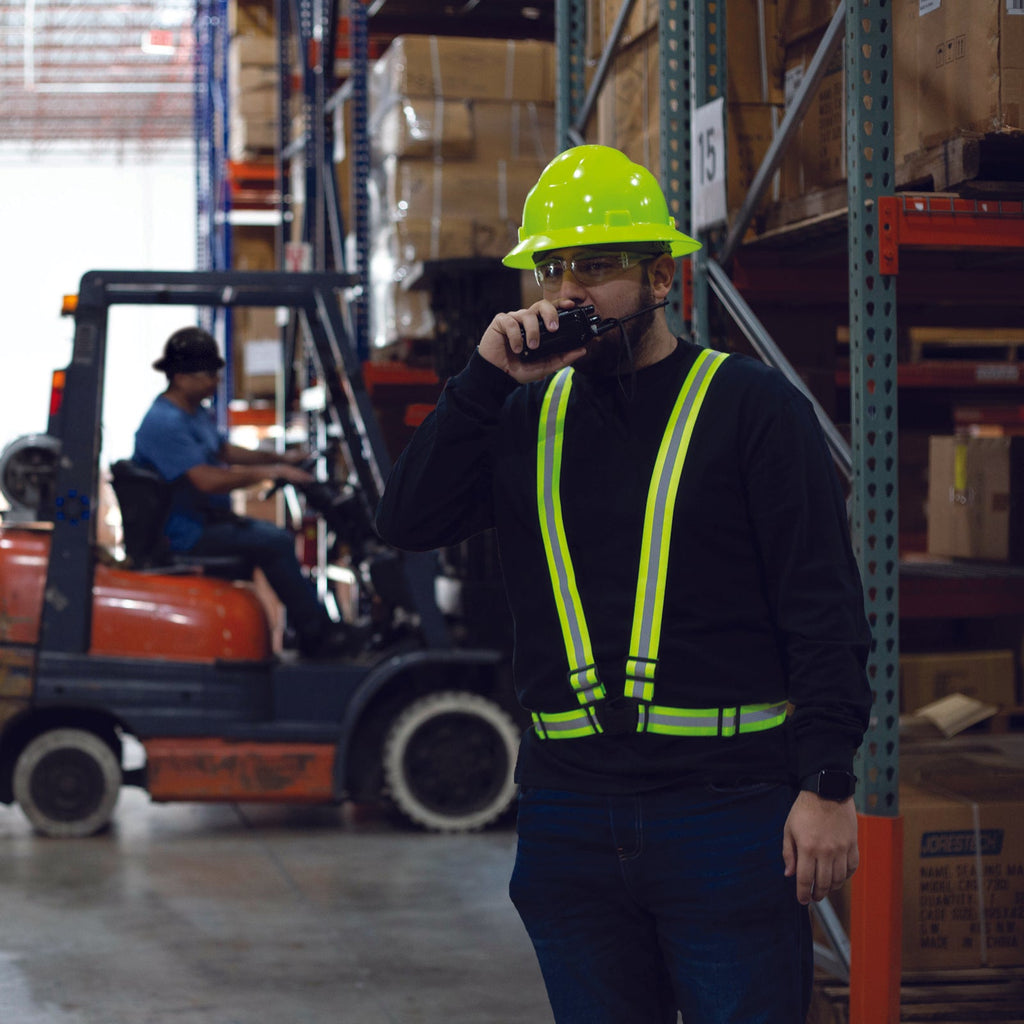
[120,73]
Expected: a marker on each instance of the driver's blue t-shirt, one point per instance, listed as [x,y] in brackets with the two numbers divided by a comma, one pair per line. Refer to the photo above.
[172,441]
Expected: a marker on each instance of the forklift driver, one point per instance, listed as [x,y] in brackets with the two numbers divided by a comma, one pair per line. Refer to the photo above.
[180,440]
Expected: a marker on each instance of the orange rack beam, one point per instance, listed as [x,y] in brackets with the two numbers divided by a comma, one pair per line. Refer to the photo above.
[252,185]
[945,222]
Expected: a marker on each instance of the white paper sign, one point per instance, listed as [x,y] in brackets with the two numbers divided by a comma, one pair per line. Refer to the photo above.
[927,6]
[708,165]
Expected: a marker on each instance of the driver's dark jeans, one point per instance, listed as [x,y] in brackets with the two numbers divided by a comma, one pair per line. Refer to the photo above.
[272,550]
[644,906]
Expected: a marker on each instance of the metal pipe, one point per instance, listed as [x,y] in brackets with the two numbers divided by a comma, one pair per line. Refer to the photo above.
[762,342]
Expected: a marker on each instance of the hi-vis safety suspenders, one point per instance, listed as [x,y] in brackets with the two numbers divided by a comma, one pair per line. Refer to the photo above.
[645,638]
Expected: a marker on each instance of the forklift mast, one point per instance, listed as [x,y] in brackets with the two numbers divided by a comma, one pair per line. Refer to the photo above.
[75,421]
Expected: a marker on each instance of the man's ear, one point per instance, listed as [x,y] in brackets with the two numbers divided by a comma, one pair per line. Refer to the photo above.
[661,272]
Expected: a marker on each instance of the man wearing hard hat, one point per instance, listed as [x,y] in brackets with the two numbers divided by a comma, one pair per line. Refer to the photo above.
[690,638]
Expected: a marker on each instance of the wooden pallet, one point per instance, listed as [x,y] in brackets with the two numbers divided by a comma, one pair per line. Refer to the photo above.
[968,166]
[974,166]
[987,343]
[946,997]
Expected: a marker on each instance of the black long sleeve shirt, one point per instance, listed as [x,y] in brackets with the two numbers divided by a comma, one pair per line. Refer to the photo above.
[763,598]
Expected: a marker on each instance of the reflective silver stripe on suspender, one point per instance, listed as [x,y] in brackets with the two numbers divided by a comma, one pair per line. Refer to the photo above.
[645,639]
[575,634]
[748,718]
[668,721]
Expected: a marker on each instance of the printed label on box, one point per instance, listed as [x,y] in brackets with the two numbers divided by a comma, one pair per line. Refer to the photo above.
[927,6]
[962,843]
[1015,6]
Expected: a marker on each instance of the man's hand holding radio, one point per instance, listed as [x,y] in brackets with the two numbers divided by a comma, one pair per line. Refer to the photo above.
[503,341]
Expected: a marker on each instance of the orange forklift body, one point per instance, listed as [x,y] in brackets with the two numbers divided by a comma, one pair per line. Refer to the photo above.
[136,615]
[216,769]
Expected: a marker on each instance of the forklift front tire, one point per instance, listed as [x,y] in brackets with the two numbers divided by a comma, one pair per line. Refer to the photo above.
[66,782]
[449,761]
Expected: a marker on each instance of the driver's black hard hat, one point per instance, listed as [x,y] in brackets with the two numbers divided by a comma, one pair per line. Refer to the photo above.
[189,350]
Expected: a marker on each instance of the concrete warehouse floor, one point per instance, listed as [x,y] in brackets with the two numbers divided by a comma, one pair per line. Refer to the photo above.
[241,914]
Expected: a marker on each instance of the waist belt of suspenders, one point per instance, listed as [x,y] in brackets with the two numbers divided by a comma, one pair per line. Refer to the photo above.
[645,638]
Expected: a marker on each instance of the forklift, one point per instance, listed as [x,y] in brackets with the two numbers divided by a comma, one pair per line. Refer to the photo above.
[99,653]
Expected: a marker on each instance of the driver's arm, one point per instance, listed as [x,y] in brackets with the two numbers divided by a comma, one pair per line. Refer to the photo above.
[235,455]
[224,479]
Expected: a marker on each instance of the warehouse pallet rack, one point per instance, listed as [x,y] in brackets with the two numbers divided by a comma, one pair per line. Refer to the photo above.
[879,226]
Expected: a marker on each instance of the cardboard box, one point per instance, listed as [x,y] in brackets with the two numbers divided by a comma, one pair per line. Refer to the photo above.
[959,68]
[251,17]
[754,72]
[988,676]
[424,127]
[416,239]
[628,119]
[250,138]
[799,18]
[427,128]
[464,68]
[816,156]
[975,489]
[481,190]
[253,247]
[963,862]
[521,130]
[251,51]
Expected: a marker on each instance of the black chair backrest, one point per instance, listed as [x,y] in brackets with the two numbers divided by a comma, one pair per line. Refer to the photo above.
[145,499]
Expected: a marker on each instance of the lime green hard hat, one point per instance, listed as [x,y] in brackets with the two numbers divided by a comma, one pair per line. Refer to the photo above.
[595,195]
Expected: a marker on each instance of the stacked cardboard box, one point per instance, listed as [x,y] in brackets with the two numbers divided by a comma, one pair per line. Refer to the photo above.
[987,676]
[975,497]
[256,335]
[460,130]
[963,861]
[958,68]
[628,108]
[253,77]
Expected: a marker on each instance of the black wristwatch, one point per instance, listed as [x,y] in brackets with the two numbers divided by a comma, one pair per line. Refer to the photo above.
[831,784]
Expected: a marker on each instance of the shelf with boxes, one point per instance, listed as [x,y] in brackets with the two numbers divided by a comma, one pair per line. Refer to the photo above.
[956,105]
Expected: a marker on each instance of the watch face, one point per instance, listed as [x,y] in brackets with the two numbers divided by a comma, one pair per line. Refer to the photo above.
[833,785]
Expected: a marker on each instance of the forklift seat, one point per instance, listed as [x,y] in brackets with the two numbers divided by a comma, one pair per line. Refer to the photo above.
[144,497]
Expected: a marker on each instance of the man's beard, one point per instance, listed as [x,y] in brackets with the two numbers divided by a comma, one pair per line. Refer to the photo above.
[618,350]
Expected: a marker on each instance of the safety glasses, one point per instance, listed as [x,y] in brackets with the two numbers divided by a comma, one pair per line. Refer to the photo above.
[588,269]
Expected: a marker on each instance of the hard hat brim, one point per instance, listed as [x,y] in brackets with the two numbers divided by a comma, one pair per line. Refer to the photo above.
[521,257]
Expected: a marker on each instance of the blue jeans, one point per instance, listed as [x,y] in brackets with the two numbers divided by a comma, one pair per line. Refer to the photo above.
[272,550]
[646,905]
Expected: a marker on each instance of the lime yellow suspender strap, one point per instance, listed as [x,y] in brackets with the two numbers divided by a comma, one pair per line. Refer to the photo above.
[582,670]
[645,638]
[661,497]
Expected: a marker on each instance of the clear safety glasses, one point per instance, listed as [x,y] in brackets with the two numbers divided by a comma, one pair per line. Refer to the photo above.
[588,269]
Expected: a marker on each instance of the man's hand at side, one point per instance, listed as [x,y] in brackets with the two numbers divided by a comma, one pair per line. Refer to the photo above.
[819,845]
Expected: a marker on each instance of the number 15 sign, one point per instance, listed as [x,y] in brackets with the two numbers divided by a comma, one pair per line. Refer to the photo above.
[708,165]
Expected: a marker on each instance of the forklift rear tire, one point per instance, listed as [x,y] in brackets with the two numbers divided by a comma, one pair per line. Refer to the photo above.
[449,761]
[66,782]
